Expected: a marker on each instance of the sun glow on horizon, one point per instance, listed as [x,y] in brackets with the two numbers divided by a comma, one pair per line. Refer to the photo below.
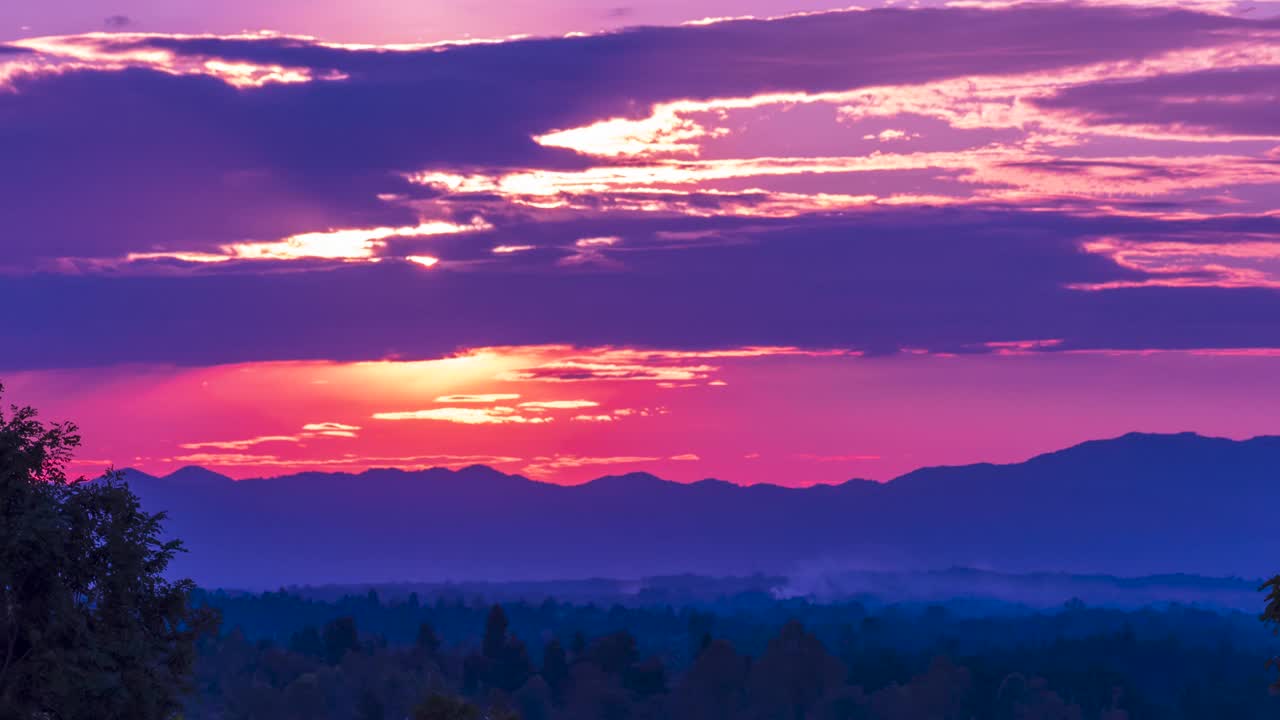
[743,246]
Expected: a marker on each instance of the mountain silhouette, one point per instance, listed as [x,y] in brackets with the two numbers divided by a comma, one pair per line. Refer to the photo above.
[1132,505]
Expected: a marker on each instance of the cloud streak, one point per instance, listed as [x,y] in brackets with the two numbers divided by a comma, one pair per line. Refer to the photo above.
[481,398]
[498,415]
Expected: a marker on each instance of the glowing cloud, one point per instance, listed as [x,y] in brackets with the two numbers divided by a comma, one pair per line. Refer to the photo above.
[118,51]
[593,242]
[547,464]
[465,416]
[310,430]
[485,398]
[1243,263]
[665,132]
[423,260]
[238,444]
[344,245]
[580,371]
[326,426]
[559,404]
[890,135]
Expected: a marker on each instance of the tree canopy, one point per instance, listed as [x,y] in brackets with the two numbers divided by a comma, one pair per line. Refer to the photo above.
[90,627]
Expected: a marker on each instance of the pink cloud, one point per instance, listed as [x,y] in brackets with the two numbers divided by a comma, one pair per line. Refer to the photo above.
[238,444]
[1242,263]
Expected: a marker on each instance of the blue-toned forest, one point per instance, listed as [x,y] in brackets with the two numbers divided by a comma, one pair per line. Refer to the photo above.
[744,654]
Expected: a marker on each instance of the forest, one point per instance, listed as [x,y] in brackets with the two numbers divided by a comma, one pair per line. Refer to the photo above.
[293,655]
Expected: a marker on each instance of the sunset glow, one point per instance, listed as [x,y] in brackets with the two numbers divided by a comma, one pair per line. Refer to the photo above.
[763,242]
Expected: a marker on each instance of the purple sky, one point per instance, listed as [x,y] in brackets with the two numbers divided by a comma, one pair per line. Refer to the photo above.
[792,247]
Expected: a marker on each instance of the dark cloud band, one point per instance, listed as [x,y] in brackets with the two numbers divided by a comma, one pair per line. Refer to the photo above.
[945,281]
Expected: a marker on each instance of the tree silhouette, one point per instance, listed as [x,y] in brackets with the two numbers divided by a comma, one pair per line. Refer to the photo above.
[614,653]
[89,626]
[427,641]
[340,638]
[369,707]
[715,686]
[533,701]
[444,707]
[555,670]
[495,633]
[1271,615]
[795,672]
[503,663]
[307,641]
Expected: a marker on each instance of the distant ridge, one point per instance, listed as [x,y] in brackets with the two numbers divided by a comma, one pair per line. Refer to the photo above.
[1133,505]
[194,474]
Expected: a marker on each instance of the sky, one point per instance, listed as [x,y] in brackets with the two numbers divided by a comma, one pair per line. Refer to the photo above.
[771,241]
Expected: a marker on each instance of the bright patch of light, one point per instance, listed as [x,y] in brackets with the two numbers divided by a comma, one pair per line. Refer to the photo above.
[559,404]
[483,398]
[664,132]
[344,244]
[597,242]
[423,260]
[466,416]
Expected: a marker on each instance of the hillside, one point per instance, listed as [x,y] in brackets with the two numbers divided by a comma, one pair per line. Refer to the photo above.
[1137,504]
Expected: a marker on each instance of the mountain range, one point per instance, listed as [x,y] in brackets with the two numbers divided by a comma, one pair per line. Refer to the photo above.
[1132,505]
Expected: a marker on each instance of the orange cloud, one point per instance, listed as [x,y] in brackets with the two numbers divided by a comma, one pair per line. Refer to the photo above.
[465,416]
[423,260]
[350,244]
[485,398]
[559,404]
